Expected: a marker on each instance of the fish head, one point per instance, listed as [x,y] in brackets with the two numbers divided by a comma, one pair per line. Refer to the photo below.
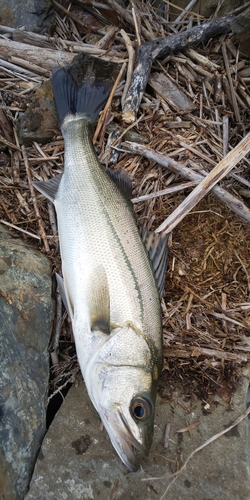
[121,380]
[128,414]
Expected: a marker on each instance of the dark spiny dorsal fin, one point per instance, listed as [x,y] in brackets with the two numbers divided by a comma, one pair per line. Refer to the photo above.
[122,180]
[157,248]
[48,188]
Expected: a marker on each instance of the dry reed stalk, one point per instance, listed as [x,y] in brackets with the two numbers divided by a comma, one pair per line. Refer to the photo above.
[220,171]
[108,103]
[131,58]
[233,202]
[32,191]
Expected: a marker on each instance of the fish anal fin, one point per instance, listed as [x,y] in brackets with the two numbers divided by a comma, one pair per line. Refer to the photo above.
[157,248]
[63,292]
[48,188]
[99,301]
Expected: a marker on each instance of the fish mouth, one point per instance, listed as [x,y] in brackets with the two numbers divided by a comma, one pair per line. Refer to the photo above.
[129,449]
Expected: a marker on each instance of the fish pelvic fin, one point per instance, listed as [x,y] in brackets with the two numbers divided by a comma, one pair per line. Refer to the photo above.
[83,86]
[48,188]
[64,295]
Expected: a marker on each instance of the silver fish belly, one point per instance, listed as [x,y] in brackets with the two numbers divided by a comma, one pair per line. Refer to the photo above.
[108,286]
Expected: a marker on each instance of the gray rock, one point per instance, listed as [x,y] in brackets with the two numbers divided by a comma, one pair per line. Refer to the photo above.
[204,8]
[39,122]
[34,15]
[25,321]
[77,460]
[240,28]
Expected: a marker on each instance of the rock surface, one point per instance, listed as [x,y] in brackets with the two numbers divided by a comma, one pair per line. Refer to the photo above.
[207,8]
[25,320]
[33,15]
[39,122]
[240,28]
[77,460]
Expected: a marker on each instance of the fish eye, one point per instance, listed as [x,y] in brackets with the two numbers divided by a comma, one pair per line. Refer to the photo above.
[141,409]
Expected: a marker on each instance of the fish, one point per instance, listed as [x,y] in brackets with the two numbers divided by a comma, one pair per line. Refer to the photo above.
[113,271]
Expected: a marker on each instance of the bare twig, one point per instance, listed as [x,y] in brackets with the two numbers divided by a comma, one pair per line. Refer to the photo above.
[184,12]
[235,104]
[107,39]
[20,229]
[32,190]
[131,58]
[171,189]
[222,169]
[75,18]
[58,325]
[231,201]
[196,352]
[108,103]
[162,47]
[244,268]
[128,17]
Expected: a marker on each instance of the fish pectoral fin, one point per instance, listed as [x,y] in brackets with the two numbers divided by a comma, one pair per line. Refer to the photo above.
[99,301]
[100,325]
[63,292]
[157,248]
[48,188]
[122,180]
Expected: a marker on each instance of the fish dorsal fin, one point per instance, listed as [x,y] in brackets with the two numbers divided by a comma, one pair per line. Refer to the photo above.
[157,248]
[122,180]
[99,301]
[64,294]
[48,188]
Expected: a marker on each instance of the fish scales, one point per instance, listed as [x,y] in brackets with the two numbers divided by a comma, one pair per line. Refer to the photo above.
[97,226]
[108,285]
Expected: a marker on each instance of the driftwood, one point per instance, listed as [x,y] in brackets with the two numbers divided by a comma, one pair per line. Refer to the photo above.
[29,37]
[40,56]
[166,89]
[161,47]
[231,201]
[51,42]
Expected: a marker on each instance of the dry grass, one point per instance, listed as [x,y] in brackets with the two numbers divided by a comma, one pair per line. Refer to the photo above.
[206,302]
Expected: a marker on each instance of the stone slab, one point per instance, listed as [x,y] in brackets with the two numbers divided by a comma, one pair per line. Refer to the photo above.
[77,460]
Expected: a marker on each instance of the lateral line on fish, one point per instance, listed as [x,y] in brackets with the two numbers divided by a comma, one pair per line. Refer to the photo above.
[137,287]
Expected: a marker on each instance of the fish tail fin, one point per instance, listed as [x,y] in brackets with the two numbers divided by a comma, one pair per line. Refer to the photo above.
[83,86]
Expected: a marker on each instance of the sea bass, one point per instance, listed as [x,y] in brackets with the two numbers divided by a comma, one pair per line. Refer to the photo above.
[112,280]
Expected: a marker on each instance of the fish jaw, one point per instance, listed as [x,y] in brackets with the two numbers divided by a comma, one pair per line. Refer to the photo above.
[118,376]
[129,449]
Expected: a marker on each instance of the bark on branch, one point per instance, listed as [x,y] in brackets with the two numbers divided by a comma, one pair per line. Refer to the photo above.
[161,47]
